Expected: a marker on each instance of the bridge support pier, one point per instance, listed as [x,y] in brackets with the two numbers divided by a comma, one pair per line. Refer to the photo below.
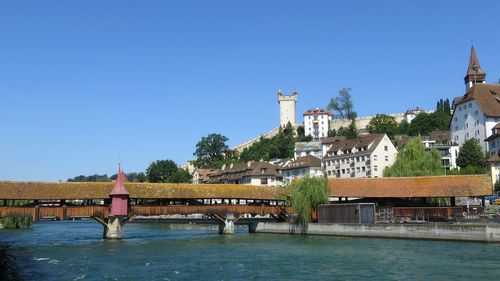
[113,228]
[226,226]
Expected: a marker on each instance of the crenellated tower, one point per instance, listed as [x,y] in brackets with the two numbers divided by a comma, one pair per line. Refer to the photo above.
[288,106]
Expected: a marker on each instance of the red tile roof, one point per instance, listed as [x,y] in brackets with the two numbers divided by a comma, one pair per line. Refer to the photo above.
[411,187]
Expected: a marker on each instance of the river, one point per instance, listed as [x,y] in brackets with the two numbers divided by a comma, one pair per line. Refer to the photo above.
[75,250]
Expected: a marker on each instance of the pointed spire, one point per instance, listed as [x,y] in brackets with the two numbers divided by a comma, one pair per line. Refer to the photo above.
[119,188]
[474,72]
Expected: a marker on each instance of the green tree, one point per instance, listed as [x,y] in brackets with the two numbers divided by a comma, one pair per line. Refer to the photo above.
[414,161]
[343,108]
[342,105]
[210,150]
[470,154]
[161,170]
[301,131]
[180,176]
[403,128]
[425,123]
[332,133]
[288,130]
[305,195]
[383,124]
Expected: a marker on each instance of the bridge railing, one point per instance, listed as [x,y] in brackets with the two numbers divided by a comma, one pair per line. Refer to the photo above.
[139,210]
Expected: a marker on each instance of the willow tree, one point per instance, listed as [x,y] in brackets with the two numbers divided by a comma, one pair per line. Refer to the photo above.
[305,195]
[414,161]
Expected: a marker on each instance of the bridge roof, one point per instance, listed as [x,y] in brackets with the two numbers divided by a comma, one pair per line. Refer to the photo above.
[99,190]
[409,187]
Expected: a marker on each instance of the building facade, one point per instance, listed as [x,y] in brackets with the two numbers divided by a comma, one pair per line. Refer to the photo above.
[478,111]
[317,122]
[308,148]
[288,105]
[363,157]
[301,167]
[250,173]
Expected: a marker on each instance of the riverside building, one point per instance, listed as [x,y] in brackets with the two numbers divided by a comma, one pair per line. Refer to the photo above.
[478,111]
[363,157]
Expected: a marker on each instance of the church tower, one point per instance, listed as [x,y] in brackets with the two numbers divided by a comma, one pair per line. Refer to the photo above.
[288,106]
[474,72]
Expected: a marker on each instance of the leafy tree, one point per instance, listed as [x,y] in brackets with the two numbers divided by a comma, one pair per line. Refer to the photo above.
[161,170]
[210,150]
[414,161]
[288,131]
[425,123]
[180,176]
[305,195]
[443,106]
[342,105]
[91,178]
[470,154]
[332,133]
[301,132]
[383,124]
[349,132]
[403,128]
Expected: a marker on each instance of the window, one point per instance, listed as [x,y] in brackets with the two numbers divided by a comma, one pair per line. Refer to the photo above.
[263,170]
[263,181]
[387,158]
[375,168]
[466,125]
[470,105]
[374,157]
[386,148]
[476,112]
[459,108]
[465,116]
[456,128]
[363,168]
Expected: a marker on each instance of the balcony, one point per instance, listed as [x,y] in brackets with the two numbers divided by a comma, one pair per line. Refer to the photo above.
[368,162]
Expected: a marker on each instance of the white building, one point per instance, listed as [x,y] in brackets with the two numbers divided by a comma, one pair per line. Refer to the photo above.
[288,106]
[478,111]
[308,148]
[251,173]
[363,157]
[449,153]
[493,144]
[300,167]
[410,114]
[317,123]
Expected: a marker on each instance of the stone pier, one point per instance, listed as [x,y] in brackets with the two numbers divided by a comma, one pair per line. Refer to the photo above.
[226,226]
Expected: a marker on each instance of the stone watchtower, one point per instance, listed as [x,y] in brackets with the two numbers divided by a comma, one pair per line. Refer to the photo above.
[288,106]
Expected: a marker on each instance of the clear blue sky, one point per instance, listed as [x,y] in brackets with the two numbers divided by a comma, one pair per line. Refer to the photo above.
[85,83]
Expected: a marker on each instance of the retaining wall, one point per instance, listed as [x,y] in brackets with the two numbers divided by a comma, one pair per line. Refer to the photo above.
[434,231]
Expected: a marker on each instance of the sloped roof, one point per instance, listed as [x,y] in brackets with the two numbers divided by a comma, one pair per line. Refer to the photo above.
[303,162]
[487,96]
[411,187]
[364,140]
[474,68]
[101,190]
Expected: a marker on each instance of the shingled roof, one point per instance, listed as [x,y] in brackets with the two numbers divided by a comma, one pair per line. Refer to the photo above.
[303,162]
[487,96]
[101,190]
[411,187]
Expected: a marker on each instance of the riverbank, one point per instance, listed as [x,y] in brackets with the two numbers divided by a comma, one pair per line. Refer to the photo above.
[426,231]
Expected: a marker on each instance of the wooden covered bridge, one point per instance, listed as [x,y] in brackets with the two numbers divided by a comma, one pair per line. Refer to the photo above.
[222,202]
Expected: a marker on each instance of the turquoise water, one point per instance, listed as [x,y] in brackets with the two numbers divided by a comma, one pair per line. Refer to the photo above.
[76,251]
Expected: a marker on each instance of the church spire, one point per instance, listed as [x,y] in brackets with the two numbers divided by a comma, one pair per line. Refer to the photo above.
[474,72]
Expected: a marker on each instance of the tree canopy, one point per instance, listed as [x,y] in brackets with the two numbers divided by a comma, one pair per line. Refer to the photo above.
[161,170]
[414,161]
[343,108]
[210,151]
[470,154]
[305,195]
[383,124]
[425,123]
